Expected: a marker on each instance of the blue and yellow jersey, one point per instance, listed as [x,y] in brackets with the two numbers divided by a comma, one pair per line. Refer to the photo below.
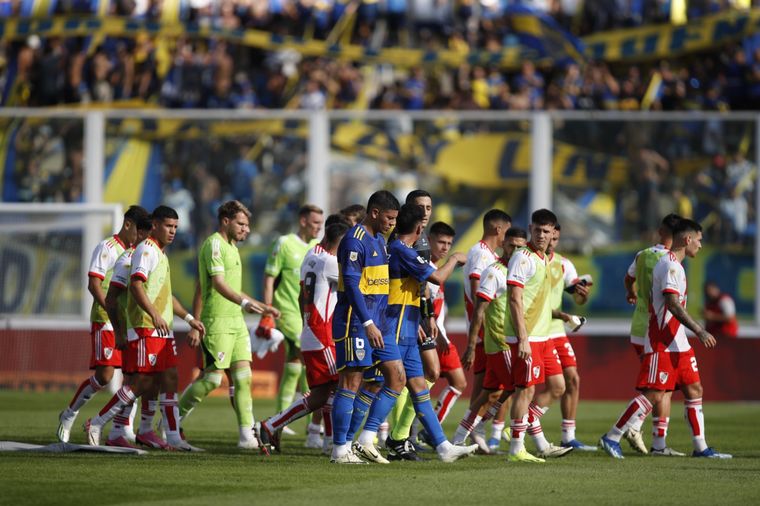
[407,271]
[362,283]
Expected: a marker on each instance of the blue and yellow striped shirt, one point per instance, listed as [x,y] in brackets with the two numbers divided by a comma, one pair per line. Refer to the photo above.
[362,283]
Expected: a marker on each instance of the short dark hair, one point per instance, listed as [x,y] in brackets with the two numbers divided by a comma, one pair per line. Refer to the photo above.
[558,227]
[495,215]
[517,232]
[409,216]
[135,214]
[383,200]
[162,213]
[543,217]
[416,194]
[145,223]
[686,225]
[336,218]
[307,209]
[357,210]
[441,228]
[334,231]
[670,222]
[230,209]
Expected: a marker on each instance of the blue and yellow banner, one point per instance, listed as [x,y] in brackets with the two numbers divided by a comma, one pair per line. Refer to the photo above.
[503,160]
[541,39]
[541,33]
[661,41]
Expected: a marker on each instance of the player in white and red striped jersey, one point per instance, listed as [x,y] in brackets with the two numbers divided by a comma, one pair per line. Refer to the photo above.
[319,281]
[669,359]
[638,287]
[495,225]
[441,238]
[105,356]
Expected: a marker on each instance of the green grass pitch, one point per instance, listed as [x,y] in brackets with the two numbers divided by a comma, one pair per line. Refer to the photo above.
[224,475]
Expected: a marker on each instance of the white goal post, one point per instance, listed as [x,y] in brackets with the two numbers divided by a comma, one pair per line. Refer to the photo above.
[21,221]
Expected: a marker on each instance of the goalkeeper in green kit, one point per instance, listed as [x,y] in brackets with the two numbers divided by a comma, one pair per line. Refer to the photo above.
[281,288]
[220,302]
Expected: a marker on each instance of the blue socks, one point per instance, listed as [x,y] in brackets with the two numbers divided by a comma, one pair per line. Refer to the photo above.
[380,409]
[343,406]
[361,405]
[426,415]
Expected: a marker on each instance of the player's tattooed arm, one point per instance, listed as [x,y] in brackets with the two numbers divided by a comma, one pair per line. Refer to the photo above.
[680,314]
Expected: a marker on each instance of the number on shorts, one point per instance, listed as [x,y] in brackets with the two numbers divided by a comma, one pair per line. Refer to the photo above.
[694,364]
[174,347]
[359,343]
[569,349]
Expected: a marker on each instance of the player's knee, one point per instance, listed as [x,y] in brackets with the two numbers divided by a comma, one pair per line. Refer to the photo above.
[241,378]
[694,391]
[104,375]
[169,381]
[214,379]
[572,383]
[459,383]
[397,380]
[432,374]
[350,380]
[318,397]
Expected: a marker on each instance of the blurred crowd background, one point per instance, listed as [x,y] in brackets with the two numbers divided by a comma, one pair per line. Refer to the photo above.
[701,168]
[208,73]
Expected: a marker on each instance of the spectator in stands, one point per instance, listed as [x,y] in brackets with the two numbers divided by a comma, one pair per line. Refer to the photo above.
[719,312]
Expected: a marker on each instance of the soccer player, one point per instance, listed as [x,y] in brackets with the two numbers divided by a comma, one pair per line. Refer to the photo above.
[669,360]
[319,283]
[400,343]
[116,306]
[355,213]
[638,287]
[151,351]
[281,289]
[441,238]
[105,355]
[360,314]
[527,326]
[491,312]
[226,343]
[403,414]
[495,226]
[561,367]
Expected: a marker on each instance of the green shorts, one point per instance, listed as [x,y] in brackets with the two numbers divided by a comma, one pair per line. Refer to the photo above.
[291,326]
[226,341]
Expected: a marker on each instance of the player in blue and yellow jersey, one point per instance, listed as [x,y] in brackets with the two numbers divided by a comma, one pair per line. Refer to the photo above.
[358,321]
[407,271]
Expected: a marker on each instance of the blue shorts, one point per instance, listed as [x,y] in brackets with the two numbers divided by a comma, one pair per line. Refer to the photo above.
[357,352]
[410,356]
[353,352]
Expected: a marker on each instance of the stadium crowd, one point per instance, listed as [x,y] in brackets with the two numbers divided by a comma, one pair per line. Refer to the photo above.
[197,73]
